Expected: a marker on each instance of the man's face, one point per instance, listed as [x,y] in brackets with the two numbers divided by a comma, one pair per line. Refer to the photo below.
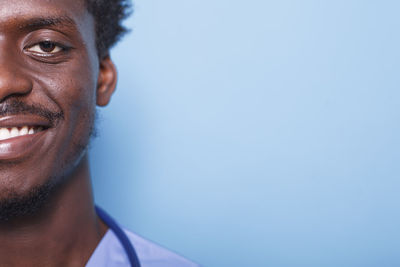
[50,80]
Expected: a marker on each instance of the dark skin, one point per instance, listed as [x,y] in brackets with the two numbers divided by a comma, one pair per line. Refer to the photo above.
[48,57]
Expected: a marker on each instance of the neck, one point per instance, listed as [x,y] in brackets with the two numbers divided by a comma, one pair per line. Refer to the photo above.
[64,233]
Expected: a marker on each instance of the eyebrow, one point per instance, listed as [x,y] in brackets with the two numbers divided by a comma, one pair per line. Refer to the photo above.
[41,22]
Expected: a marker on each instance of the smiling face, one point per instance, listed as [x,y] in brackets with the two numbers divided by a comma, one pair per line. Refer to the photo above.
[50,82]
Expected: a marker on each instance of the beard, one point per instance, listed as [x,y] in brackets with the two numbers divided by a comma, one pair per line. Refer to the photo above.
[15,205]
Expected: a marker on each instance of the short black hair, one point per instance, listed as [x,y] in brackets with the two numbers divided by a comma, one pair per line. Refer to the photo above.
[108,15]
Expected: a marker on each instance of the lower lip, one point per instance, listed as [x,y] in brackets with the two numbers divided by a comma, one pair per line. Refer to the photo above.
[21,146]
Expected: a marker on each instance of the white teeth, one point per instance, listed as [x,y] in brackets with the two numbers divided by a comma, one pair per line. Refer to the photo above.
[6,133]
[24,130]
[14,132]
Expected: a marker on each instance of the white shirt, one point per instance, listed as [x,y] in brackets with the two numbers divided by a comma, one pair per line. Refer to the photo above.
[110,253]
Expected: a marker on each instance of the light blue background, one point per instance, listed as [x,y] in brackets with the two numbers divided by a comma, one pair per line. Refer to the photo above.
[257,133]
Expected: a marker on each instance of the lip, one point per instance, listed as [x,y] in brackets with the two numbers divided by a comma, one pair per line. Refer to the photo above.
[24,120]
[21,146]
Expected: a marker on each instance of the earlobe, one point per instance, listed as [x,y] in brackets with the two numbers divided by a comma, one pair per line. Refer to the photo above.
[107,81]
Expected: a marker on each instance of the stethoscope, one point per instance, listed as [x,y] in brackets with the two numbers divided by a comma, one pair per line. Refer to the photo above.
[126,244]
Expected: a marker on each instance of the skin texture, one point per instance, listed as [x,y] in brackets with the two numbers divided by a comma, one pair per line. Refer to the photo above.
[71,81]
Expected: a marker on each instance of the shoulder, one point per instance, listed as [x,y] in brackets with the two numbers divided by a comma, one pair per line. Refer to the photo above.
[111,253]
[151,254]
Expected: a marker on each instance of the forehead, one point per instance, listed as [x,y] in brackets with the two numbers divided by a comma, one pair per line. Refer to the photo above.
[16,12]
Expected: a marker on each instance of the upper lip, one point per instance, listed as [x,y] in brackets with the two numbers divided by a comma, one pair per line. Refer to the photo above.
[24,120]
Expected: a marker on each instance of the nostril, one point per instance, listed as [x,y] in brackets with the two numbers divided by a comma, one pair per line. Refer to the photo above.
[13,84]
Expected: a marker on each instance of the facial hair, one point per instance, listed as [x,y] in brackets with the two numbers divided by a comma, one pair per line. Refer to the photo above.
[17,205]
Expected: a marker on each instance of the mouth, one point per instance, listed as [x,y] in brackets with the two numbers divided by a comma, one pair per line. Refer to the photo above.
[22,135]
[8,133]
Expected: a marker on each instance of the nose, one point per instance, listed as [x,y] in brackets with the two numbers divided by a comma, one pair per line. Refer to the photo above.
[13,79]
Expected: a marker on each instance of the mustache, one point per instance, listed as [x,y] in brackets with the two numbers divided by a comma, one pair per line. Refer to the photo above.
[17,107]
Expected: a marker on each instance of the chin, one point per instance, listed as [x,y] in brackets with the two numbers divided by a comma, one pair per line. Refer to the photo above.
[16,203]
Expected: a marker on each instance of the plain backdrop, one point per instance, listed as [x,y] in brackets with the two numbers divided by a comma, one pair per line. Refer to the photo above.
[257,133]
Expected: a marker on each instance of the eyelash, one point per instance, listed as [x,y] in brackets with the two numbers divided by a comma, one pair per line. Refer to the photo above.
[37,49]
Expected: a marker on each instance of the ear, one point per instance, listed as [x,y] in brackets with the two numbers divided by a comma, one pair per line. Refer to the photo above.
[106,82]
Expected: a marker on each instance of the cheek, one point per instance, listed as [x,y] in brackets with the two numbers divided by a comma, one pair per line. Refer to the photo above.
[77,99]
[78,90]
[70,87]
[74,92]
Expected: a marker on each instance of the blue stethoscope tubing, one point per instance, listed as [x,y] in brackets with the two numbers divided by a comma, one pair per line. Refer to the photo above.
[122,237]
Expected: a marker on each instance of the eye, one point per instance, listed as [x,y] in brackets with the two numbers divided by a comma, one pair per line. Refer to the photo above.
[46,47]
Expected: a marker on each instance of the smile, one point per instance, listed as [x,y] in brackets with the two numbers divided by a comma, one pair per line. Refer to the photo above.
[23,135]
[7,133]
